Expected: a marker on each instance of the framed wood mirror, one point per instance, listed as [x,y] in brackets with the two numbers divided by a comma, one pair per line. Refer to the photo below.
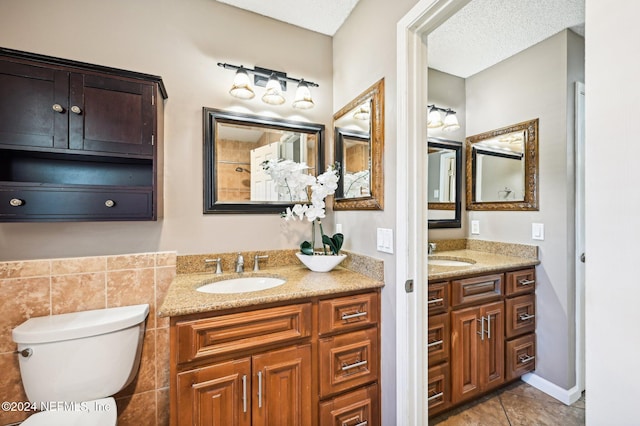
[502,168]
[358,148]
[236,144]
[444,183]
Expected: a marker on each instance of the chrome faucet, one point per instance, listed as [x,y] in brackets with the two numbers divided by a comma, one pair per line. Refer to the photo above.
[256,261]
[217,262]
[432,248]
[240,263]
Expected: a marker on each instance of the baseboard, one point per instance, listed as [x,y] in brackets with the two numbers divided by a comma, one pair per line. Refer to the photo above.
[565,396]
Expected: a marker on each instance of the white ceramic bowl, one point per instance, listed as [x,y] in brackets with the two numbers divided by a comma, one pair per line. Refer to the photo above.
[321,262]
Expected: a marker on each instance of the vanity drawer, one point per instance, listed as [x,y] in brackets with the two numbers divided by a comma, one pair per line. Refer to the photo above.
[247,330]
[346,313]
[439,333]
[520,356]
[520,315]
[438,393]
[348,360]
[438,297]
[359,407]
[520,282]
[476,289]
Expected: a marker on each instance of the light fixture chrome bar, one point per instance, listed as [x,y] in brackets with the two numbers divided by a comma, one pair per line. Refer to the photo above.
[437,108]
[262,75]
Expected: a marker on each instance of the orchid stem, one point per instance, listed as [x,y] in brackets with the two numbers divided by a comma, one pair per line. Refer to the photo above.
[324,247]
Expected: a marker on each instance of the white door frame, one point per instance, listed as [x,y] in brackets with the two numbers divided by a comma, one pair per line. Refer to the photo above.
[411,220]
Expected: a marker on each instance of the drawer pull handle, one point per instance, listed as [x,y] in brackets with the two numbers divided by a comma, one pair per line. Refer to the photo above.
[436,396]
[109,203]
[481,332]
[259,389]
[435,301]
[526,282]
[356,364]
[244,393]
[355,315]
[57,108]
[360,423]
[16,202]
[436,343]
[525,358]
[76,110]
[526,317]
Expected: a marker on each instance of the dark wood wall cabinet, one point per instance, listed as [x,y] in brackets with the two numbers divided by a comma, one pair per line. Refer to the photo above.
[307,363]
[481,335]
[78,142]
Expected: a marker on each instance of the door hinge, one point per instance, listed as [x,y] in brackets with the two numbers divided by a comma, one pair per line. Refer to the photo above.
[408,286]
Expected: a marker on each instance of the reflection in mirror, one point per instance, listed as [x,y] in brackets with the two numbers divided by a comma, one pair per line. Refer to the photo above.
[359,144]
[355,148]
[444,183]
[502,168]
[237,144]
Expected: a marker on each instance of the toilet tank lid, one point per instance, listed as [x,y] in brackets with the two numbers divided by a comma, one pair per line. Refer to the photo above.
[76,325]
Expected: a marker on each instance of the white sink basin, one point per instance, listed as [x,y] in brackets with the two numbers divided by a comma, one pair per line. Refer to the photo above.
[241,285]
[445,261]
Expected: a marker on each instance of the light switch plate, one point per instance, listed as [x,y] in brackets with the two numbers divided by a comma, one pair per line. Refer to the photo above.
[385,240]
[537,231]
[475,227]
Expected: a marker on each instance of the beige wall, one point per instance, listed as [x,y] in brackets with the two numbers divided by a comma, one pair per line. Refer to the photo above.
[538,83]
[57,286]
[182,41]
[358,65]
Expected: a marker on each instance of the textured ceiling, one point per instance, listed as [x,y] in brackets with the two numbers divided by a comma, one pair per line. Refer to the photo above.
[324,16]
[486,32]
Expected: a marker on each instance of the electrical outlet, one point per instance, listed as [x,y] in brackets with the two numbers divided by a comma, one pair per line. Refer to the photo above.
[475,227]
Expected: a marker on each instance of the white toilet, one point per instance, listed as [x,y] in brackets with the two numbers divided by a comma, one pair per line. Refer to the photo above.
[71,364]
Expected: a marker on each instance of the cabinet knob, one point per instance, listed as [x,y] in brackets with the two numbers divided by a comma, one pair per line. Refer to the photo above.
[76,109]
[109,203]
[57,108]
[16,202]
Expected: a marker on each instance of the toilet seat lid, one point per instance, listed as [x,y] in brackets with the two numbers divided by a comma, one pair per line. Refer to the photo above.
[98,412]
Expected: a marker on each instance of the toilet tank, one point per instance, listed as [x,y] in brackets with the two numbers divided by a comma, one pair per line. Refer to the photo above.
[80,356]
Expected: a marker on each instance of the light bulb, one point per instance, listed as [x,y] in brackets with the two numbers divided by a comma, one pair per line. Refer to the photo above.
[303,98]
[434,120]
[273,94]
[241,87]
[450,122]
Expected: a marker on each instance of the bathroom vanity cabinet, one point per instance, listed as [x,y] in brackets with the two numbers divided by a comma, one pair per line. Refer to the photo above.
[309,362]
[491,318]
[78,142]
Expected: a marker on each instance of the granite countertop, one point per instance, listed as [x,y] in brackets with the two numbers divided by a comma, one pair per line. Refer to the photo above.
[485,262]
[182,297]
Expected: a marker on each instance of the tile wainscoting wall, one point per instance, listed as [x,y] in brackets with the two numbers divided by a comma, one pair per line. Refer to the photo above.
[54,286]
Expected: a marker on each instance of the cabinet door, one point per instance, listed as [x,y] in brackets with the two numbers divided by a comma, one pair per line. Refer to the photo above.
[438,338]
[282,387]
[465,353]
[477,350]
[29,95]
[492,347]
[216,395]
[111,115]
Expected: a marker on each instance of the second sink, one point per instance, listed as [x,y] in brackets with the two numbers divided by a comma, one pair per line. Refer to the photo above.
[241,285]
[449,261]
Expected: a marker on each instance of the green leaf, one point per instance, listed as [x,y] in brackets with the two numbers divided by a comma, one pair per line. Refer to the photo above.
[334,243]
[306,248]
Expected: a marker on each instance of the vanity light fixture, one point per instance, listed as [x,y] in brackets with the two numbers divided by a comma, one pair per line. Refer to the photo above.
[275,83]
[362,112]
[435,121]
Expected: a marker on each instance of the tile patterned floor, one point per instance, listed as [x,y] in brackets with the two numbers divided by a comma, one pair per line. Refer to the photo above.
[518,404]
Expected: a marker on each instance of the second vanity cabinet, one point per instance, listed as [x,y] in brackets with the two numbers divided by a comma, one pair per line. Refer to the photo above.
[312,362]
[491,319]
